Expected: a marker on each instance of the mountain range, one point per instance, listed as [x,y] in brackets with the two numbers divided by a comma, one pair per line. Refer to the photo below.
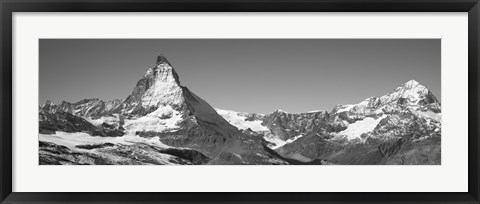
[163,122]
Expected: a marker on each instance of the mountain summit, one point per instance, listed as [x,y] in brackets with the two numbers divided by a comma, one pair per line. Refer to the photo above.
[414,93]
[411,84]
[159,86]
[410,95]
[162,59]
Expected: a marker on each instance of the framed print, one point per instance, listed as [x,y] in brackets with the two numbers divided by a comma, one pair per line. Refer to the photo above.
[256,102]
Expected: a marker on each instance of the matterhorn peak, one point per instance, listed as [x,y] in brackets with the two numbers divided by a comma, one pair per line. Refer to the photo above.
[161,59]
[163,69]
[160,86]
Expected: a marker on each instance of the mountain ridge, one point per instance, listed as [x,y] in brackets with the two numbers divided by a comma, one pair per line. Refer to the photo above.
[161,110]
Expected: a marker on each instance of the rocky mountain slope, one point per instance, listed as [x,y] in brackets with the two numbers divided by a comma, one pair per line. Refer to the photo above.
[401,127]
[163,122]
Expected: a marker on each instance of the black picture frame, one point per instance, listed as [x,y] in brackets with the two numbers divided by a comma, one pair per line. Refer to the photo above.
[8,7]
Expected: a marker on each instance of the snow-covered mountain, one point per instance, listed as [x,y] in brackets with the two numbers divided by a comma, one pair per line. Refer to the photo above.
[410,114]
[411,95]
[160,107]
[163,122]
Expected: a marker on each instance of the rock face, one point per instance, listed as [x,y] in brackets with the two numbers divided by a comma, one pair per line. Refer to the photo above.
[159,86]
[163,122]
[289,125]
[66,122]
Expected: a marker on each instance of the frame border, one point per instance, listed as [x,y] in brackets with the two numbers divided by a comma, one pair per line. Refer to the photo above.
[8,7]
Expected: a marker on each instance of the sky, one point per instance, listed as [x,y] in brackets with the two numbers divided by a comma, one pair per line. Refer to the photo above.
[246,75]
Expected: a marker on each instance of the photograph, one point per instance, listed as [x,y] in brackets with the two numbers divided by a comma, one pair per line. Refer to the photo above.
[239,102]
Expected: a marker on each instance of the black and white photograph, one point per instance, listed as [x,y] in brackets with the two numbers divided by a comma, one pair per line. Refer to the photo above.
[239,102]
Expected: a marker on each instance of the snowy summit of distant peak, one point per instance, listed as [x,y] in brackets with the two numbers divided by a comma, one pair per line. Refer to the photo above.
[412,83]
[411,94]
[281,111]
[412,90]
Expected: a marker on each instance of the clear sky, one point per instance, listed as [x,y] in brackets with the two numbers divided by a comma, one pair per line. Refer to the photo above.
[248,75]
